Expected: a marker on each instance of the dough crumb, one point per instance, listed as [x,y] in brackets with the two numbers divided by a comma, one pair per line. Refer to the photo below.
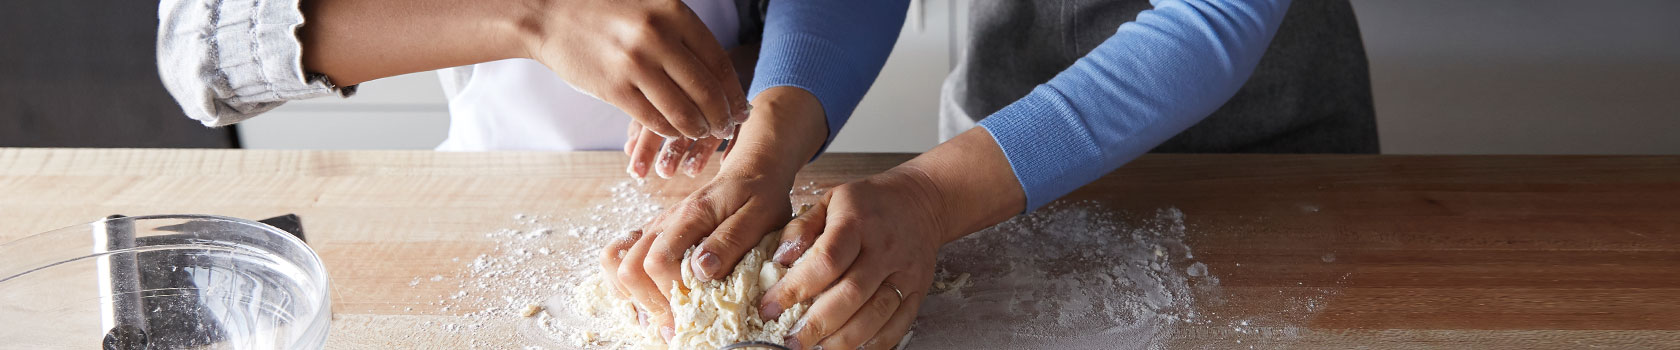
[531,310]
[583,339]
[943,282]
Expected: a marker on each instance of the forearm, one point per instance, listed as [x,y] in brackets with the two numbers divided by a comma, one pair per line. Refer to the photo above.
[1156,76]
[966,183]
[353,41]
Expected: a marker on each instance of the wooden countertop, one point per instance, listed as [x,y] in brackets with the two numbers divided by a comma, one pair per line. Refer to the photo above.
[1518,252]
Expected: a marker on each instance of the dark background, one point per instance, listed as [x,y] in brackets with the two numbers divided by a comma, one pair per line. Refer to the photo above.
[83,73]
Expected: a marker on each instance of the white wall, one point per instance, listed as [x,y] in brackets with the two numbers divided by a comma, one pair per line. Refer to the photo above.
[1487,76]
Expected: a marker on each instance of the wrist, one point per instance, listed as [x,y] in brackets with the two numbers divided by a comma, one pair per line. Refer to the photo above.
[525,26]
[786,128]
[969,181]
[921,195]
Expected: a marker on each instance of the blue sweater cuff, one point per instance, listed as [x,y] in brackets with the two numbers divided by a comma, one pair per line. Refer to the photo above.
[833,49]
[1048,146]
[801,60]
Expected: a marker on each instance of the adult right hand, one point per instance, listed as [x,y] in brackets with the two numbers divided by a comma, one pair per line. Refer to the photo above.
[724,219]
[654,59]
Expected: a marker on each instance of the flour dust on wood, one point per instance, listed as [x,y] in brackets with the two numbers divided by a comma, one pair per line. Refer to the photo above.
[1070,276]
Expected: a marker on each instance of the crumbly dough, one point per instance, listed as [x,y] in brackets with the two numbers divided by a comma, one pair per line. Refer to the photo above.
[709,315]
[722,312]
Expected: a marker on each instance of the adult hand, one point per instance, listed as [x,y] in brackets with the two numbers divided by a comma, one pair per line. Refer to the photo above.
[866,253]
[730,214]
[654,59]
[666,156]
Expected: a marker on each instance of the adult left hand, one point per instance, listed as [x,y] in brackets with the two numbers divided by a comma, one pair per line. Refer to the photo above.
[866,253]
[651,153]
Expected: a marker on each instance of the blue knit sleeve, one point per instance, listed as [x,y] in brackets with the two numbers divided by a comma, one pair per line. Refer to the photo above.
[831,48]
[1158,75]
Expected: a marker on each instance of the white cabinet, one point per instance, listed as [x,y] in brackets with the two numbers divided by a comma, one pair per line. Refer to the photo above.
[402,112]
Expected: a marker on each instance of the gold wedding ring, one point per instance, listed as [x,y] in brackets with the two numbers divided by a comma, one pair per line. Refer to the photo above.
[894,289]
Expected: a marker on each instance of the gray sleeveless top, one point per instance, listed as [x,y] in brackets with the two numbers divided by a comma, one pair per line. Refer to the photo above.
[1310,94]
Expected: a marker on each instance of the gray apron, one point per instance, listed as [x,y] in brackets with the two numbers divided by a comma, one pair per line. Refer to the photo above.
[1311,92]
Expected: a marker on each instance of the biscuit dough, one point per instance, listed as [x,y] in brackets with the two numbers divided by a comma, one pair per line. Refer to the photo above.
[722,312]
[710,314]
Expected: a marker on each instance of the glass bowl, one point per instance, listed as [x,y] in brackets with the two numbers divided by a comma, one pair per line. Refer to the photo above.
[163,282]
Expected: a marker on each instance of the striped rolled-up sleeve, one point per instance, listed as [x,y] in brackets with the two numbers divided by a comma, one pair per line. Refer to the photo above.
[227,61]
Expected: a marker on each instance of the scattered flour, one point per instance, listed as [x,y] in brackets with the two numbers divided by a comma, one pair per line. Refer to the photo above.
[1082,276]
[498,287]
[1079,276]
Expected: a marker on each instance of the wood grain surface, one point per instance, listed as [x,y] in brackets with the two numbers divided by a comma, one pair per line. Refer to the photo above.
[1484,252]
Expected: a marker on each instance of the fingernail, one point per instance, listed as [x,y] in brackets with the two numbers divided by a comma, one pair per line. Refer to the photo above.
[691,165]
[726,132]
[664,165]
[638,169]
[708,264]
[770,311]
[792,342]
[798,326]
[641,317]
[742,112]
[722,131]
[784,254]
[667,332]
[667,162]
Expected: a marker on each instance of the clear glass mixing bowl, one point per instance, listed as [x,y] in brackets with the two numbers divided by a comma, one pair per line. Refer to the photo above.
[163,282]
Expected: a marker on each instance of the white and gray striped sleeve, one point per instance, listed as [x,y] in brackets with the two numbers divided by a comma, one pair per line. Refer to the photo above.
[226,61]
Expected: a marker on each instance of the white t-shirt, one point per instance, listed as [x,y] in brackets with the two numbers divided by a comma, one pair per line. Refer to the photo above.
[519,104]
